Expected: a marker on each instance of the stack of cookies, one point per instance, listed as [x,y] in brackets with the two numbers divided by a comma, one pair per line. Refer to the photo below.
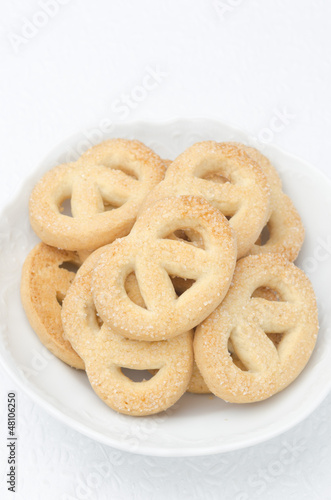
[166,267]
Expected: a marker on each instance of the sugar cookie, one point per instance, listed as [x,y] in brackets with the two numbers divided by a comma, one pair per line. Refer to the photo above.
[267,366]
[105,353]
[149,253]
[284,224]
[106,185]
[226,176]
[43,287]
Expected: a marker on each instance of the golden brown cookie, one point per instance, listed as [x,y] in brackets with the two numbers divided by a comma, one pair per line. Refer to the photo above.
[107,353]
[197,384]
[44,285]
[154,257]
[267,365]
[286,231]
[106,186]
[226,176]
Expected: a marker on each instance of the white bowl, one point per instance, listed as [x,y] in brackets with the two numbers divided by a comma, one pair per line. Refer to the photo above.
[198,424]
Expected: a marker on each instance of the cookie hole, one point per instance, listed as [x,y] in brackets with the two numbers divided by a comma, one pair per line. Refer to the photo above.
[275,338]
[264,236]
[181,285]
[181,235]
[65,207]
[215,177]
[92,317]
[187,235]
[132,289]
[70,266]
[98,319]
[60,298]
[236,360]
[267,293]
[138,375]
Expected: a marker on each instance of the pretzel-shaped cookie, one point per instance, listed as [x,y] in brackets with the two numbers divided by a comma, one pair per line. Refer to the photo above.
[197,385]
[267,366]
[44,285]
[106,352]
[284,224]
[83,254]
[106,185]
[153,257]
[226,176]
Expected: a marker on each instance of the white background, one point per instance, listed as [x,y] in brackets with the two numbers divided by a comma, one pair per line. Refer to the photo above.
[246,62]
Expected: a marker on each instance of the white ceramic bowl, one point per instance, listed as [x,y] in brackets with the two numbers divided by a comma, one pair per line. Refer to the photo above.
[198,424]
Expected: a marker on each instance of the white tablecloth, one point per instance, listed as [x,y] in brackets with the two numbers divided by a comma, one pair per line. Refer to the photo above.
[70,65]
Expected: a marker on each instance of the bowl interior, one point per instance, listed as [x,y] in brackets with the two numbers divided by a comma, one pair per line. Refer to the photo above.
[197,424]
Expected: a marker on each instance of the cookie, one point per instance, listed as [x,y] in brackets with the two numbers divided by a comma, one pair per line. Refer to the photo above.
[267,365]
[106,354]
[226,176]
[286,231]
[106,186]
[154,257]
[44,285]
